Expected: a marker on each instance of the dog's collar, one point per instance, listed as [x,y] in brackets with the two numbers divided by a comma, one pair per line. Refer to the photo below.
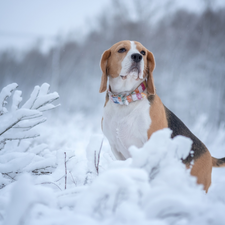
[134,96]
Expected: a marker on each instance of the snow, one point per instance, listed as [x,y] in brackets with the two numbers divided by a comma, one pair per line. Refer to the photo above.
[16,100]
[151,187]
[24,196]
[4,94]
[40,98]
[93,152]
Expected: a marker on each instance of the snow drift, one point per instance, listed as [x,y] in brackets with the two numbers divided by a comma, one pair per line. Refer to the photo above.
[151,187]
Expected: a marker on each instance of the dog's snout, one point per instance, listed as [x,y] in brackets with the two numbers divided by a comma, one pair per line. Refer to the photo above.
[136,57]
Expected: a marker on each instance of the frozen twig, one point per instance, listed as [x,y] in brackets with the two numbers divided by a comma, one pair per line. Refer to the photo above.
[9,176]
[73,178]
[65,170]
[70,158]
[33,97]
[12,135]
[60,178]
[16,100]
[10,126]
[28,124]
[53,184]
[87,177]
[4,94]
[2,144]
[97,159]
[19,138]
[13,118]
[40,99]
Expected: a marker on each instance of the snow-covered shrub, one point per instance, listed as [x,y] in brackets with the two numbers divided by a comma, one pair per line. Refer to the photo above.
[152,187]
[17,151]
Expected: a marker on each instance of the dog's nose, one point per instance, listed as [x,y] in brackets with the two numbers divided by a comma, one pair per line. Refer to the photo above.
[136,57]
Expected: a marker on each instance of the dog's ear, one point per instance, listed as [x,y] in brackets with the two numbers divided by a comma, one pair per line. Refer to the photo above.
[103,65]
[151,67]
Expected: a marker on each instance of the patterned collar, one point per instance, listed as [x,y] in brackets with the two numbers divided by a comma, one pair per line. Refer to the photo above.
[125,99]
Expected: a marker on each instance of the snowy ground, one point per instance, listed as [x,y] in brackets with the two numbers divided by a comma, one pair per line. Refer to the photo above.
[151,188]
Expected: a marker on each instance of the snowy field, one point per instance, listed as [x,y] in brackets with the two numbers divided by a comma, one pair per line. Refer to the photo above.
[67,175]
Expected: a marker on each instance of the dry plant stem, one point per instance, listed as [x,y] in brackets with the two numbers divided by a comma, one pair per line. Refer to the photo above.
[29,127]
[73,178]
[86,178]
[97,161]
[52,183]
[70,158]
[65,171]
[60,178]
[13,139]
[9,176]
[48,102]
[10,126]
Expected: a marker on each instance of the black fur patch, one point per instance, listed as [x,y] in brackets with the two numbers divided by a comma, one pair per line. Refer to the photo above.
[219,162]
[179,128]
[151,98]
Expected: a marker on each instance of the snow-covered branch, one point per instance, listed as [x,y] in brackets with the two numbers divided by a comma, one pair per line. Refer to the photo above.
[40,99]
[16,123]
[4,94]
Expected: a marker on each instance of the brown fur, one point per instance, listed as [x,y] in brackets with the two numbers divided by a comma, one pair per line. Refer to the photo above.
[157,115]
[103,66]
[202,169]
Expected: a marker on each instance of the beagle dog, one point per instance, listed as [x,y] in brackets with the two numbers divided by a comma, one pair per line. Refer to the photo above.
[133,110]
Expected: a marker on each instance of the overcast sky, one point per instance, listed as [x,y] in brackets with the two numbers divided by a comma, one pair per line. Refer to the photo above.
[22,21]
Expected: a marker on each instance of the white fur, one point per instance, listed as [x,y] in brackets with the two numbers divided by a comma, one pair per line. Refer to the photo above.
[118,85]
[126,125]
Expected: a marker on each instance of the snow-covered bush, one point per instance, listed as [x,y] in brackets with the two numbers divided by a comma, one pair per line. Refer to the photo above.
[17,151]
[153,187]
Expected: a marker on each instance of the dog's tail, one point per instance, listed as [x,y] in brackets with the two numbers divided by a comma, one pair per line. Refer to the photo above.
[218,162]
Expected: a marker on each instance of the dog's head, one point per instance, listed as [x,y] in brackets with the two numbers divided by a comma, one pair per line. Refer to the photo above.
[127,64]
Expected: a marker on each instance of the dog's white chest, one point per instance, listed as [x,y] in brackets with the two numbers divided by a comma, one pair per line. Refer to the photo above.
[125,126]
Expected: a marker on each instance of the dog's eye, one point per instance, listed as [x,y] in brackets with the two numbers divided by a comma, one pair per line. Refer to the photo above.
[143,52]
[122,50]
